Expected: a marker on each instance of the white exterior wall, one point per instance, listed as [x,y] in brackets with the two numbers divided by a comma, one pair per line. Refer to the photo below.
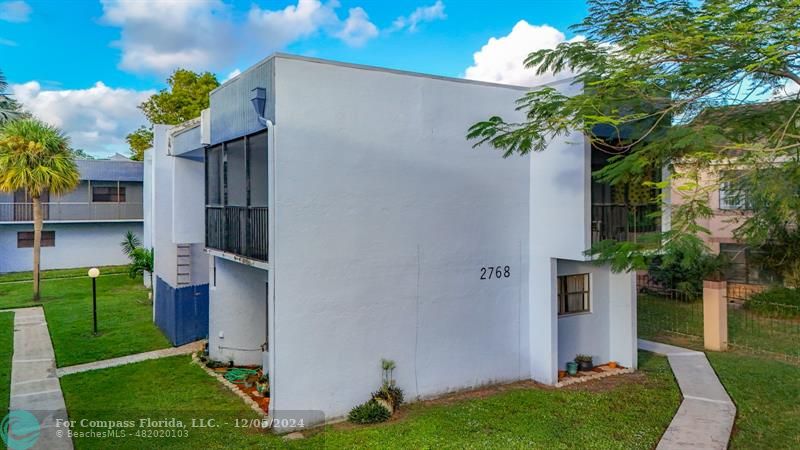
[77,245]
[559,228]
[237,316]
[383,218]
[147,210]
[623,345]
[176,214]
[165,250]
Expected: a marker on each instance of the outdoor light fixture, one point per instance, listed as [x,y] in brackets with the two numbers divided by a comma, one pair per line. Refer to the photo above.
[94,272]
[259,101]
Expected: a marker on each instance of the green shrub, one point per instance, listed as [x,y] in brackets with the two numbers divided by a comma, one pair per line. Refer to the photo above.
[390,393]
[685,269]
[369,412]
[780,301]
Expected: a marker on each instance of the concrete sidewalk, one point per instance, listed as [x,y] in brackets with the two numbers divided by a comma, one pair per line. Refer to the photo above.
[34,385]
[129,359]
[706,415]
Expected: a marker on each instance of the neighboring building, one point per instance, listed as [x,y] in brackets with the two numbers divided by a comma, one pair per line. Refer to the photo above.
[363,225]
[174,227]
[81,228]
[729,208]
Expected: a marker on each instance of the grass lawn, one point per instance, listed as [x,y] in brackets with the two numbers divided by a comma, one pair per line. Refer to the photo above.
[767,397]
[6,351]
[60,273]
[124,317]
[624,412]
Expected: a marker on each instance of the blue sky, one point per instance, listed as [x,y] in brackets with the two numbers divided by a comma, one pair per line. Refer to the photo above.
[84,65]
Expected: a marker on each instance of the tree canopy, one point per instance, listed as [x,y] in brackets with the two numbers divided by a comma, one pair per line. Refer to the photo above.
[695,87]
[183,99]
[9,108]
[35,157]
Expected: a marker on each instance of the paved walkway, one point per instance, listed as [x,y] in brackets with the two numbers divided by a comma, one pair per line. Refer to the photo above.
[138,357]
[706,415]
[34,385]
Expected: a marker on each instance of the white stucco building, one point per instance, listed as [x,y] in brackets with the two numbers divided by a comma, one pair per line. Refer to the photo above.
[83,227]
[354,222]
[174,227]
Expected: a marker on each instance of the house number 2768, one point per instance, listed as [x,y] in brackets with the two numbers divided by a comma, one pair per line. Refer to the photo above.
[487,273]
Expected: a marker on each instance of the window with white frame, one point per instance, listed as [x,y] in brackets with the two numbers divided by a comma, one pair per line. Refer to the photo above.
[573,294]
[731,194]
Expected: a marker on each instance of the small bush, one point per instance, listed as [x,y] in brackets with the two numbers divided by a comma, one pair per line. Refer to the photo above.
[780,301]
[685,270]
[390,393]
[369,412]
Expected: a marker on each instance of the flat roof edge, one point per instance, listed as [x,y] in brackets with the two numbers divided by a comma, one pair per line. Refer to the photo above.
[288,56]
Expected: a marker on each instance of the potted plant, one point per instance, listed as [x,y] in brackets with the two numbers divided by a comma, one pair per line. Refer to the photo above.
[572,368]
[584,362]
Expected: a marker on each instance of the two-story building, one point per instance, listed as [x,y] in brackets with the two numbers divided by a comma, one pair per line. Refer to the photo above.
[175,228]
[81,228]
[348,219]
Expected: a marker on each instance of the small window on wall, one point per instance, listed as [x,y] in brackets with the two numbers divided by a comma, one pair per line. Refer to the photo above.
[573,294]
[108,194]
[25,239]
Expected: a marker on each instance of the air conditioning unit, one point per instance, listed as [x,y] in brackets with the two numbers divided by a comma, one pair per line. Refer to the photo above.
[205,126]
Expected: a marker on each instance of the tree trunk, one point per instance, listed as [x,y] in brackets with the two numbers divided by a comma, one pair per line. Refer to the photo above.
[37,244]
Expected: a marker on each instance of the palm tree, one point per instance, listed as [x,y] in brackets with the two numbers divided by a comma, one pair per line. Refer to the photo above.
[142,261]
[130,243]
[9,109]
[35,157]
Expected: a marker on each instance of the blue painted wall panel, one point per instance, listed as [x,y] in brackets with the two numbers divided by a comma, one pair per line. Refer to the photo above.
[182,313]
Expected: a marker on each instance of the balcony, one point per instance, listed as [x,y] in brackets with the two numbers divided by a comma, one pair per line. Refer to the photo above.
[16,212]
[621,222]
[240,230]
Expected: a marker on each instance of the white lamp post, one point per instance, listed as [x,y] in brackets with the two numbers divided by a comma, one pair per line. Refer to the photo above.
[94,272]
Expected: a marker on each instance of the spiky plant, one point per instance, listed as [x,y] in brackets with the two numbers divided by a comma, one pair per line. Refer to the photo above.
[35,158]
[130,243]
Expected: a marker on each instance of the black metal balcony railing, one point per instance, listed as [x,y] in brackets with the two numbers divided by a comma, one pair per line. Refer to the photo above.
[623,222]
[72,211]
[241,230]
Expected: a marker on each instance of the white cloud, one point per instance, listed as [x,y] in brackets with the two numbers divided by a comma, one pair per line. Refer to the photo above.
[15,11]
[281,27]
[96,119]
[233,74]
[501,60]
[791,88]
[7,42]
[420,15]
[357,28]
[160,36]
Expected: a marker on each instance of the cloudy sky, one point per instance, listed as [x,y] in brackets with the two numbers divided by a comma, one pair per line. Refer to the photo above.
[86,65]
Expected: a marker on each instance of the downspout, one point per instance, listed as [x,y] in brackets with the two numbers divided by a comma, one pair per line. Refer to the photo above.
[271,257]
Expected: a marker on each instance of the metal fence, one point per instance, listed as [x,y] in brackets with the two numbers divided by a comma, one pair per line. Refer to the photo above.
[622,222]
[72,211]
[664,312]
[753,325]
[763,327]
[241,230]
